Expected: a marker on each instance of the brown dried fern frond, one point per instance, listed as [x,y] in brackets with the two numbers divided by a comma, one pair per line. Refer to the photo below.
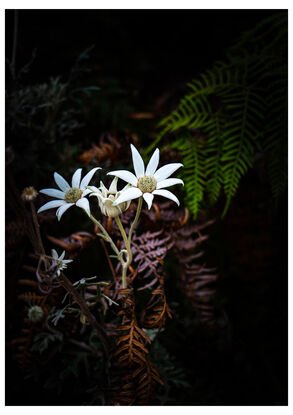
[132,339]
[149,251]
[196,280]
[106,149]
[138,376]
[74,243]
[147,380]
[157,309]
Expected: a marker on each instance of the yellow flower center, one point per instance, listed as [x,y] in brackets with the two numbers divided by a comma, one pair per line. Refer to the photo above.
[73,195]
[147,184]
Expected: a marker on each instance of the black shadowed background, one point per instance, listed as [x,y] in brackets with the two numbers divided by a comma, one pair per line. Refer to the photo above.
[78,81]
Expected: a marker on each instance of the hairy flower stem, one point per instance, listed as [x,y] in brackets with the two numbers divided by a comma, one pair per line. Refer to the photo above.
[135,220]
[127,242]
[125,264]
[107,236]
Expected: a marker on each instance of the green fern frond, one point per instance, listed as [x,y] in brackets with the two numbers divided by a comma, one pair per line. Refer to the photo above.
[193,152]
[214,155]
[231,111]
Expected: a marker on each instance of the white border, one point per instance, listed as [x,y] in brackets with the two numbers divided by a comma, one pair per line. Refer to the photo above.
[151,4]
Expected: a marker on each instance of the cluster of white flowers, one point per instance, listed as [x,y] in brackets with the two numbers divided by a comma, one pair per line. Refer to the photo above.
[146,183]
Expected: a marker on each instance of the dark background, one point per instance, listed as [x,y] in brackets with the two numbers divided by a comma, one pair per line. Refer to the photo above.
[152,49]
[152,53]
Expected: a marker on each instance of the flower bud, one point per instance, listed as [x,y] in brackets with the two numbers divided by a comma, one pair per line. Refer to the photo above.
[29,193]
[35,314]
[106,198]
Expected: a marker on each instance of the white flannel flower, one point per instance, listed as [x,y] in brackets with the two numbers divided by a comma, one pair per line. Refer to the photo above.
[69,196]
[61,262]
[107,197]
[147,182]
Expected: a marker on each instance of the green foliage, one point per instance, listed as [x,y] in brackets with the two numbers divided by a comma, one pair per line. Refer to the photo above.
[44,340]
[173,375]
[231,111]
[70,360]
[44,120]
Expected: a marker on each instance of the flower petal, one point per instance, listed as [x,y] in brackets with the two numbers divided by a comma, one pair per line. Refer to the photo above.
[103,188]
[153,163]
[168,183]
[61,182]
[67,261]
[63,209]
[113,185]
[93,188]
[167,194]
[125,175]
[129,194]
[54,193]
[84,204]
[54,253]
[87,178]
[98,194]
[124,188]
[52,204]
[138,163]
[62,256]
[76,178]
[86,192]
[166,171]
[148,197]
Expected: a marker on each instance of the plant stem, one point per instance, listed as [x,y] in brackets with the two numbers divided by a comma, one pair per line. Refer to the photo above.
[37,228]
[126,264]
[83,306]
[135,220]
[124,236]
[108,237]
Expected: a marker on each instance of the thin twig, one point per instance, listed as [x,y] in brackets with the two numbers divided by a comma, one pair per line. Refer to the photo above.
[37,228]
[91,319]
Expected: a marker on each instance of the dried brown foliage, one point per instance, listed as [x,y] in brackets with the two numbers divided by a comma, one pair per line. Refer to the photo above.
[22,344]
[170,229]
[74,243]
[107,150]
[131,341]
[157,309]
[196,279]
[138,377]
[185,239]
[149,251]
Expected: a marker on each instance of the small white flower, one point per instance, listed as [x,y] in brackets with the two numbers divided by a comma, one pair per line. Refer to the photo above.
[69,196]
[147,182]
[62,263]
[108,197]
